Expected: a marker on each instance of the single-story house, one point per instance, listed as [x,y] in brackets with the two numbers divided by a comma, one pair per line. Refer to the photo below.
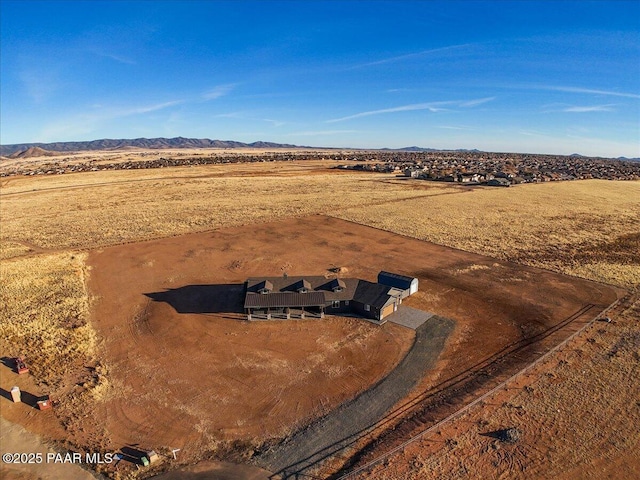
[313,296]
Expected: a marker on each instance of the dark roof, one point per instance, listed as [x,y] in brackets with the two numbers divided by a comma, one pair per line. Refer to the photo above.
[265,285]
[321,292]
[395,280]
[335,284]
[284,299]
[303,283]
[374,294]
[317,283]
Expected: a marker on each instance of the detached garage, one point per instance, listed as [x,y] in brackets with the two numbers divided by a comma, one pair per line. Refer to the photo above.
[408,285]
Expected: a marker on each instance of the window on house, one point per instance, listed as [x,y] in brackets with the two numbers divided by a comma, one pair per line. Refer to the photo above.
[346,302]
[367,308]
[336,304]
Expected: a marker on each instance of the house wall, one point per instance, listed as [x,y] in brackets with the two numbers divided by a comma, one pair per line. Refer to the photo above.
[359,309]
[343,308]
[388,310]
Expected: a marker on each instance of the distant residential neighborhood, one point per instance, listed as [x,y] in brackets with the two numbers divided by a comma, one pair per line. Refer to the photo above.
[496,169]
[470,167]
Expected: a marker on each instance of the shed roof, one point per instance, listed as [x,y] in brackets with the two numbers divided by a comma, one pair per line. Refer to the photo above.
[336,283]
[395,279]
[303,283]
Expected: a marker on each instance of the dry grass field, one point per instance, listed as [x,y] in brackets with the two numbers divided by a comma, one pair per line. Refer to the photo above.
[116,207]
[45,312]
[577,414]
[589,229]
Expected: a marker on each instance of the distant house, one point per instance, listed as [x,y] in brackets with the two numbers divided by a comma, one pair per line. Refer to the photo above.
[498,182]
[314,296]
[469,178]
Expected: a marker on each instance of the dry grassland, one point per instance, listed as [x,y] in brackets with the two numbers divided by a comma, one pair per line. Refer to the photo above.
[125,211]
[572,425]
[12,249]
[44,314]
[588,228]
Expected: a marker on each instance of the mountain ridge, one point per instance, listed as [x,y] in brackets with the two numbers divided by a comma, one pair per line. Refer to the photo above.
[150,143]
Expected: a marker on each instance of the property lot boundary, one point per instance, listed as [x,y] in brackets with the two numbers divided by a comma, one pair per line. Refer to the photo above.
[469,406]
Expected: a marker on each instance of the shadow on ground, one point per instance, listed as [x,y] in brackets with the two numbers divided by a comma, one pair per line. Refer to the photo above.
[25,397]
[221,298]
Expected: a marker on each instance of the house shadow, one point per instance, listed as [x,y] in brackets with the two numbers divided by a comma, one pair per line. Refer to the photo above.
[217,298]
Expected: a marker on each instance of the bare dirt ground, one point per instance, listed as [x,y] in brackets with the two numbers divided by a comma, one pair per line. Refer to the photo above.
[570,426]
[193,379]
[346,424]
[584,228]
[16,439]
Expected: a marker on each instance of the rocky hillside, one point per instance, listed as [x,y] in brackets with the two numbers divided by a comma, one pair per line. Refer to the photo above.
[110,144]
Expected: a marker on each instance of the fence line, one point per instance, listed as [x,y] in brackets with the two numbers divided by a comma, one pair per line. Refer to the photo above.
[467,407]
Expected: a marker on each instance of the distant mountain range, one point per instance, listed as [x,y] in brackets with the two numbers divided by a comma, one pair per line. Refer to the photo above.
[26,150]
[151,143]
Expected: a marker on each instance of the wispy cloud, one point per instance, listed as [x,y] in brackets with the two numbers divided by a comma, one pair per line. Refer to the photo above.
[275,123]
[313,133]
[85,123]
[479,101]
[38,84]
[589,90]
[219,91]
[408,56]
[125,112]
[117,58]
[453,127]
[245,116]
[532,133]
[592,108]
[230,115]
[431,106]
[567,108]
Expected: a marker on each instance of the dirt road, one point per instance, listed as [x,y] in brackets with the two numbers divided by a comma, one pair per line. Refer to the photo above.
[346,424]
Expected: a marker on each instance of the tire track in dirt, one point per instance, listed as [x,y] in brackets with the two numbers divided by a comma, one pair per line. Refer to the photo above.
[454,396]
[349,422]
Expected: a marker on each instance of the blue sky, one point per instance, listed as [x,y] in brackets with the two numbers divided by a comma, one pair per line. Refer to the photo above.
[540,77]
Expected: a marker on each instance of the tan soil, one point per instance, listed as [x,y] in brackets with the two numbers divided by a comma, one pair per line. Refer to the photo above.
[15,439]
[575,421]
[196,380]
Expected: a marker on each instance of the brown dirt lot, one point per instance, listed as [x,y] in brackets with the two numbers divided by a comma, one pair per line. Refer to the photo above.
[194,380]
[586,228]
[570,426]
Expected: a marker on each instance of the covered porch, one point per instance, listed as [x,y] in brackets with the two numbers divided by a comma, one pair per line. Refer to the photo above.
[284,306]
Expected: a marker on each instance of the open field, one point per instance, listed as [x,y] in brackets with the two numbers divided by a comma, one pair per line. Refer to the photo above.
[117,207]
[577,414]
[152,307]
[45,313]
[586,228]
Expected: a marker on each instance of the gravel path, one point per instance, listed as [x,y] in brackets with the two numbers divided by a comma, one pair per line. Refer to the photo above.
[347,423]
[409,317]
